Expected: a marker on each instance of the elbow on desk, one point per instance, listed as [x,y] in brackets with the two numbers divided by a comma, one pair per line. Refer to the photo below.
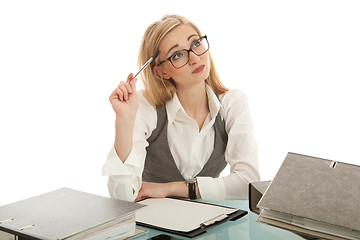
[120,191]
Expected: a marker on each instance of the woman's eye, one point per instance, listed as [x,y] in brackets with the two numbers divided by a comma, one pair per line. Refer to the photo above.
[177,56]
[196,43]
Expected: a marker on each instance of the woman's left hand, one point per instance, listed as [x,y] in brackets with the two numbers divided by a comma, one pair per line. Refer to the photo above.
[153,190]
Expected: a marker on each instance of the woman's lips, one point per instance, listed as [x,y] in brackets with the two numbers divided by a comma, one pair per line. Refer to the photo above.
[199,69]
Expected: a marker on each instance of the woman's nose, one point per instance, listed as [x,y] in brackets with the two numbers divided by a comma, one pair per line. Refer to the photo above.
[193,58]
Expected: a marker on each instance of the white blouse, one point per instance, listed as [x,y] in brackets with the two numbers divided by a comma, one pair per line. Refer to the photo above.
[191,149]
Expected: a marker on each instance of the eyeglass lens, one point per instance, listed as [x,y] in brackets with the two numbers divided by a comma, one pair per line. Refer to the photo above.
[181,58]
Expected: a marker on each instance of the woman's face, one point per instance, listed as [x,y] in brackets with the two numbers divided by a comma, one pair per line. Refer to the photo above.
[195,71]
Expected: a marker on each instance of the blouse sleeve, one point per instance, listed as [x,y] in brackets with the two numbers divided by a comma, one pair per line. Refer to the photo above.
[241,152]
[125,178]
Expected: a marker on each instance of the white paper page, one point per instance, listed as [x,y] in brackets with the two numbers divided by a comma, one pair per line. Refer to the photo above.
[177,214]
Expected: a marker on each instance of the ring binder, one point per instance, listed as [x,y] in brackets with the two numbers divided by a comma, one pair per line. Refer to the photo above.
[64,214]
[26,227]
[333,164]
[7,220]
[322,193]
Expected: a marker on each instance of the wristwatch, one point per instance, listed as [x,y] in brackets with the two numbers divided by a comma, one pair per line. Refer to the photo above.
[192,188]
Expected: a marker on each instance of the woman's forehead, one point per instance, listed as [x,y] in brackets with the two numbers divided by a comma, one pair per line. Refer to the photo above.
[178,36]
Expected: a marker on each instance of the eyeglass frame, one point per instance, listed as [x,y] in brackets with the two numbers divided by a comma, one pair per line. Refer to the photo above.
[188,52]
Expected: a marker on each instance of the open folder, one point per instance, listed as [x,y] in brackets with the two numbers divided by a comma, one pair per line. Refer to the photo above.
[184,217]
[314,196]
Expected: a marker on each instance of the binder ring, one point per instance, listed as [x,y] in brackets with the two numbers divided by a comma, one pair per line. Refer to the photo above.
[7,220]
[333,164]
[26,227]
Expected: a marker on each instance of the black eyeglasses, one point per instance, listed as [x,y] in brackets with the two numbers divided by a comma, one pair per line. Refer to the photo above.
[181,58]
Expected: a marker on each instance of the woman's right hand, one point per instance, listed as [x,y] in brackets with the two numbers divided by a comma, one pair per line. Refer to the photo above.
[124,99]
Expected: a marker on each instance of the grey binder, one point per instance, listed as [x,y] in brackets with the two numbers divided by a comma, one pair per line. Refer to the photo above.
[314,196]
[64,213]
[256,191]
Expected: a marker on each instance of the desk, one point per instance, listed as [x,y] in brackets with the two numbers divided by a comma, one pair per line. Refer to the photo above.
[243,228]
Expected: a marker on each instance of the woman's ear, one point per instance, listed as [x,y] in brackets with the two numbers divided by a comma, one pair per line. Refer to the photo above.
[158,70]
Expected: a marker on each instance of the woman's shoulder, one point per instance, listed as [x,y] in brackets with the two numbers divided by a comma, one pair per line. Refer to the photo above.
[146,111]
[233,96]
[235,107]
[146,116]
[144,104]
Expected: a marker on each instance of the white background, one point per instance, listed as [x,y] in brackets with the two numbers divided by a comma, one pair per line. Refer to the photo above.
[297,61]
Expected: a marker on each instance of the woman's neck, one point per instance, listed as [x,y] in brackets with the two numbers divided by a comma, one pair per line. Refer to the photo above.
[194,100]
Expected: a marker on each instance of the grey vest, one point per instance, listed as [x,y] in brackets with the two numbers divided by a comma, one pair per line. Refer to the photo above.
[160,166]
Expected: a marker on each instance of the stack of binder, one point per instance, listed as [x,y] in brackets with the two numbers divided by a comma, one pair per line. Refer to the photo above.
[314,196]
[69,214]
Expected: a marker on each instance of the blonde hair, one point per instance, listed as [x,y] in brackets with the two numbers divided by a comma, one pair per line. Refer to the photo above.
[157,90]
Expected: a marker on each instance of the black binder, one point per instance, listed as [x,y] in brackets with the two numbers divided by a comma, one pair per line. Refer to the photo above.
[167,214]
[64,213]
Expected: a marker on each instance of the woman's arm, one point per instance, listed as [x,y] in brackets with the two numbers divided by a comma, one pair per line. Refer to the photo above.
[124,127]
[240,154]
[125,167]
[161,190]
[124,101]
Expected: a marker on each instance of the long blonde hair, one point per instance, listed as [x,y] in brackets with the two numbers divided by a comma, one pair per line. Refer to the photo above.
[157,90]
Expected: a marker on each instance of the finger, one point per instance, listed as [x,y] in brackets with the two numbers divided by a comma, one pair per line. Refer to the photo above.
[124,90]
[114,95]
[128,87]
[141,195]
[133,84]
[130,77]
[119,94]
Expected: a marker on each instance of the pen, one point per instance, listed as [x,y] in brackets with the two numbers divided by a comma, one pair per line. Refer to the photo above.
[152,58]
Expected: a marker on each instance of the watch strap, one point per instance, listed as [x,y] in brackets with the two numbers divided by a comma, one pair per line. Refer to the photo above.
[192,189]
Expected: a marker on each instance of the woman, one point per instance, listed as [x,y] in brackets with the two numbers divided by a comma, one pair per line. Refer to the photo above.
[176,136]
